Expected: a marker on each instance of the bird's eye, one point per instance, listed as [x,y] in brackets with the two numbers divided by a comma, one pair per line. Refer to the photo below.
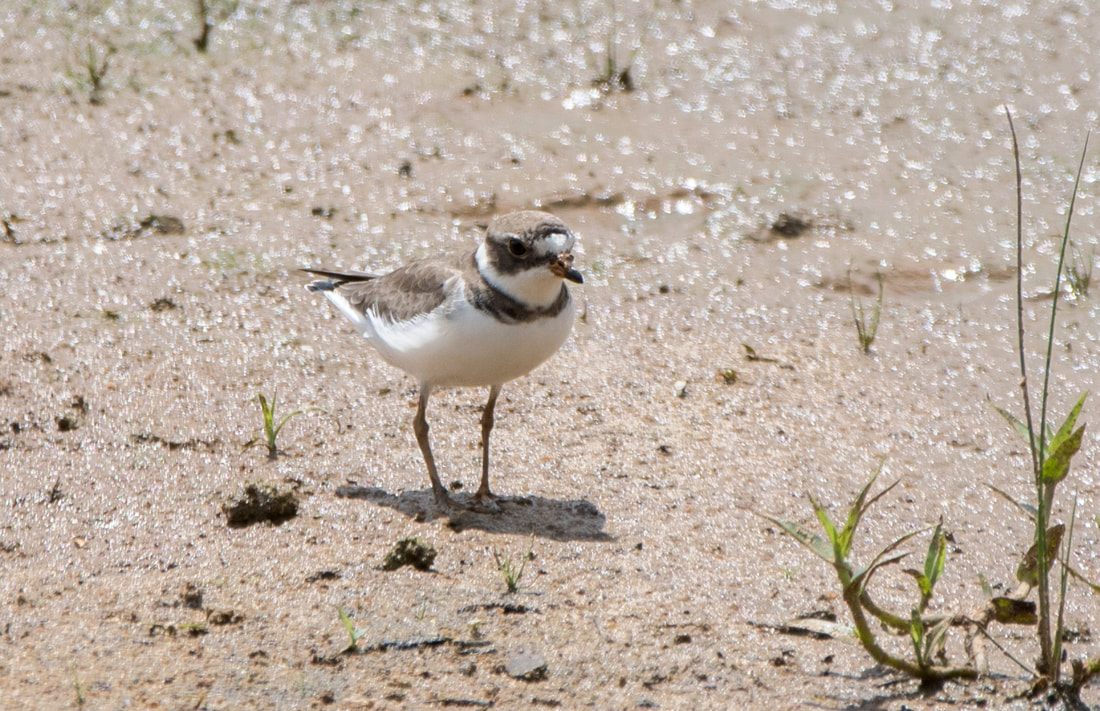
[516,247]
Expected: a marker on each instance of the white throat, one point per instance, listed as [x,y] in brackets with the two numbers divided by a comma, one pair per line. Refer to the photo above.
[537,288]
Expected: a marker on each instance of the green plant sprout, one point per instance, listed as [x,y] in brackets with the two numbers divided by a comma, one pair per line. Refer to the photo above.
[612,75]
[509,571]
[78,688]
[1051,451]
[928,634]
[271,429]
[354,635]
[95,62]
[208,16]
[206,25]
[866,324]
[269,434]
[1079,272]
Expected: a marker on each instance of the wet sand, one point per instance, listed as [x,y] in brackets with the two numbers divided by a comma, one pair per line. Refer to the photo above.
[768,156]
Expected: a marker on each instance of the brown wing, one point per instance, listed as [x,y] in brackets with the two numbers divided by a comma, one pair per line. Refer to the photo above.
[414,289]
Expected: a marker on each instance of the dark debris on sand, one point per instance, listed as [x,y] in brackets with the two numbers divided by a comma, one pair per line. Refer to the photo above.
[261,503]
[410,551]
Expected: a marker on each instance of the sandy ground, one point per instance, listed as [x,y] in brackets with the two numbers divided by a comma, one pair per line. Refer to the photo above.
[152,225]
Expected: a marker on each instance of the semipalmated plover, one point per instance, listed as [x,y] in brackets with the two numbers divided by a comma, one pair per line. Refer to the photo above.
[480,318]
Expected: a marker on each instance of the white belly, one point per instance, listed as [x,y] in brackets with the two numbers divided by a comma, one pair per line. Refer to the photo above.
[458,345]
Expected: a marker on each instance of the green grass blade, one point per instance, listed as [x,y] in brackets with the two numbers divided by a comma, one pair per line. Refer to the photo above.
[933,567]
[1058,286]
[1067,427]
[353,634]
[1095,587]
[862,496]
[1056,467]
[864,575]
[268,410]
[936,557]
[876,497]
[936,638]
[884,557]
[881,559]
[1025,388]
[284,421]
[821,548]
[855,512]
[826,522]
[1022,505]
[860,507]
[1016,424]
[923,583]
[1059,626]
[916,634]
[348,625]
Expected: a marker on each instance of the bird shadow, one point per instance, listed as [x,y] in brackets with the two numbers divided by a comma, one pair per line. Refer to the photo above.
[575,520]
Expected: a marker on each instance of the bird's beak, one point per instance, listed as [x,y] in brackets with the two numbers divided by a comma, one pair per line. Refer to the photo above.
[564,268]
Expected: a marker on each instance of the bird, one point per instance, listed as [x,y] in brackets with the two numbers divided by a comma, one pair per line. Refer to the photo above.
[476,319]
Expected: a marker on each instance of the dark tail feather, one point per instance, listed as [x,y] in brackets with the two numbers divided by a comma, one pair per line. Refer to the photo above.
[335,279]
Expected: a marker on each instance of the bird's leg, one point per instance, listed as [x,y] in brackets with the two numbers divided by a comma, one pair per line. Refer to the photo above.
[483,493]
[420,427]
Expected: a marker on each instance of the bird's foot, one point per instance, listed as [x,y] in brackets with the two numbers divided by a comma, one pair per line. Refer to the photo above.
[485,504]
[478,504]
[488,502]
[446,504]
